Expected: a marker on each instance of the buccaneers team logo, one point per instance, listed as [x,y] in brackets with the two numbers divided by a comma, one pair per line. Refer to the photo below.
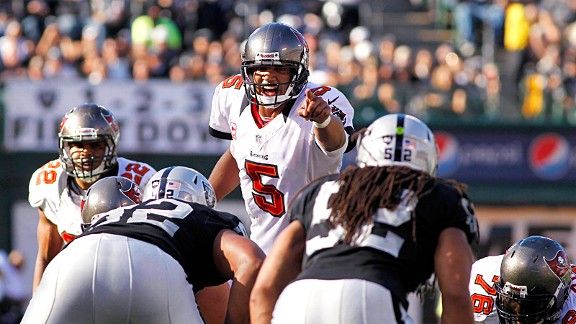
[559,264]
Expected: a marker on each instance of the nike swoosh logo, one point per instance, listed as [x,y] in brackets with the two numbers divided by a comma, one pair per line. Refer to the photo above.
[330,102]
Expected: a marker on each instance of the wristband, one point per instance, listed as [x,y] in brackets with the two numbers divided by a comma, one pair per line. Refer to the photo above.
[324,123]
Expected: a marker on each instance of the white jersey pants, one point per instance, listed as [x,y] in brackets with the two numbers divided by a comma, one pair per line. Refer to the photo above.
[106,278]
[347,301]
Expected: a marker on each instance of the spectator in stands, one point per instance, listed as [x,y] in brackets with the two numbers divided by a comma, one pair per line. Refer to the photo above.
[35,70]
[491,86]
[140,70]
[34,22]
[118,68]
[471,14]
[15,50]
[442,99]
[143,26]
[13,291]
[422,68]
[364,94]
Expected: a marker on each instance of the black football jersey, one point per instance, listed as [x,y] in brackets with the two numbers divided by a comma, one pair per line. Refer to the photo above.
[396,251]
[184,230]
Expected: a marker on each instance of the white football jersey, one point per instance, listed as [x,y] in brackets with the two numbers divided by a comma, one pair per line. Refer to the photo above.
[275,159]
[229,97]
[483,276]
[569,308]
[485,272]
[48,190]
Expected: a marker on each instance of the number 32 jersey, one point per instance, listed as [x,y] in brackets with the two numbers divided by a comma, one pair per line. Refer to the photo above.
[49,190]
[275,159]
[486,272]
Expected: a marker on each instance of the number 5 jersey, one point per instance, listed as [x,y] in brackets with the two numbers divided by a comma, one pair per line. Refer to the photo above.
[275,158]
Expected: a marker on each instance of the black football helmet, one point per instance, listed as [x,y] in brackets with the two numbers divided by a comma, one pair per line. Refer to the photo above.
[88,123]
[534,283]
[275,44]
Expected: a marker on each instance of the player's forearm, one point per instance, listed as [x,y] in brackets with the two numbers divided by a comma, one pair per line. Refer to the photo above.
[224,177]
[39,268]
[238,303]
[212,303]
[332,137]
[457,309]
[453,261]
[261,308]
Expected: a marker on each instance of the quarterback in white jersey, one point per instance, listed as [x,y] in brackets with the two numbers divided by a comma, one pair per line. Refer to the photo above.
[285,131]
[547,276]
[88,140]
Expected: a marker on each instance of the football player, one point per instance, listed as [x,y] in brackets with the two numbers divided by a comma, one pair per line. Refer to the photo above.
[285,131]
[88,144]
[144,262]
[531,283]
[360,241]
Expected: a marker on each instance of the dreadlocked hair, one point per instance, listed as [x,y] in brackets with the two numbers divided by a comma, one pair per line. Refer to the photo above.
[363,190]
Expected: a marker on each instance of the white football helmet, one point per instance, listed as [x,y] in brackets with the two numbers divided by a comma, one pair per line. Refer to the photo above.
[398,139]
[275,44]
[181,183]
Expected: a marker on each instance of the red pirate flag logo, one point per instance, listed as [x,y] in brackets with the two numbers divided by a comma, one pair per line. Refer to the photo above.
[559,264]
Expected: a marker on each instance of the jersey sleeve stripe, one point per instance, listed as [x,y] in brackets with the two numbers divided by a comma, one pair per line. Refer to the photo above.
[219,134]
[351,144]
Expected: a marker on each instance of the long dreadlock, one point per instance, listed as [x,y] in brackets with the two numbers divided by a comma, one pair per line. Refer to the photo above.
[365,189]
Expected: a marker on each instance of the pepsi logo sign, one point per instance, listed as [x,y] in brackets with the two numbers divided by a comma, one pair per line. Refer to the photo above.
[549,156]
[447,153]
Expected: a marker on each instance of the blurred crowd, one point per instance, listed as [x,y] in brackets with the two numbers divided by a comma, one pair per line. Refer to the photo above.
[535,46]
[13,290]
[530,65]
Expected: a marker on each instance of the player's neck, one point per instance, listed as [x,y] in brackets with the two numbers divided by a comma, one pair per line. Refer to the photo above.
[269,114]
[84,185]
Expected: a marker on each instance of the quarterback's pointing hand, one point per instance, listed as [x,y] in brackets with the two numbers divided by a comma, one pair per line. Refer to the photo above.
[314,108]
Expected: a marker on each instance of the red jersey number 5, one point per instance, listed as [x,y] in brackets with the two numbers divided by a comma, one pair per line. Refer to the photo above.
[255,171]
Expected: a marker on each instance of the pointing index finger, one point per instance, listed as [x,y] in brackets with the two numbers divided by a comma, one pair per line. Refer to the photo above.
[310,94]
